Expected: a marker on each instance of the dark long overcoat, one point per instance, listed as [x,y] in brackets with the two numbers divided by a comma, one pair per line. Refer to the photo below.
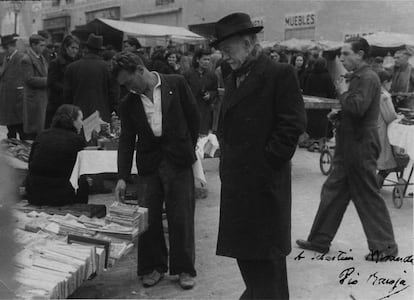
[88,84]
[260,124]
[11,91]
[35,92]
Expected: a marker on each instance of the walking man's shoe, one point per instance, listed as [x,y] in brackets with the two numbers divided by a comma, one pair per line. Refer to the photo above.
[152,279]
[311,246]
[186,281]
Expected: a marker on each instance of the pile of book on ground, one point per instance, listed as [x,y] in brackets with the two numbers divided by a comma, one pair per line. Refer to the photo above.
[58,252]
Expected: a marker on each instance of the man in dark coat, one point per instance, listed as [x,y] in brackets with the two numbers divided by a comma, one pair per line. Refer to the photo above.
[353,175]
[11,89]
[88,82]
[34,67]
[262,118]
[203,84]
[161,111]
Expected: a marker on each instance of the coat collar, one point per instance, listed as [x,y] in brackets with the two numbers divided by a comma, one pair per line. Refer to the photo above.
[41,67]
[11,61]
[234,95]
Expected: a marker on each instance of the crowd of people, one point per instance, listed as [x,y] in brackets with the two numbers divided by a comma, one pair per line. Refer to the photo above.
[168,100]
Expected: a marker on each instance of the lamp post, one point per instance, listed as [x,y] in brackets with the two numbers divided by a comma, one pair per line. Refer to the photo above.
[16,7]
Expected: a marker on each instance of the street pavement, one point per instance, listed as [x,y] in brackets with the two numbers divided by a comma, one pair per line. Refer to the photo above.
[310,276]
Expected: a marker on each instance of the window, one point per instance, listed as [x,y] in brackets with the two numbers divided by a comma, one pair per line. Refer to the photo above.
[163,2]
[70,1]
[55,2]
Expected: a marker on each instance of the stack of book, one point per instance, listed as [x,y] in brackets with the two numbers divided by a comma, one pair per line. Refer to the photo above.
[54,269]
[124,214]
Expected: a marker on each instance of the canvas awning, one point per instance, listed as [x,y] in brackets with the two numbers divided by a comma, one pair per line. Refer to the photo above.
[147,30]
[390,39]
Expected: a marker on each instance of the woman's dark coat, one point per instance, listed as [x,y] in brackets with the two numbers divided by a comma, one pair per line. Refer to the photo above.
[55,80]
[51,162]
[260,124]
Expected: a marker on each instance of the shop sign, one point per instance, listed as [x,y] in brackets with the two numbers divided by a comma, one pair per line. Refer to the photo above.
[60,22]
[259,21]
[113,13]
[348,35]
[302,20]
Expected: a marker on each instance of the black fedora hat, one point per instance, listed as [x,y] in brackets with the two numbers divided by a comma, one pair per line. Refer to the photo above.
[95,42]
[7,39]
[234,24]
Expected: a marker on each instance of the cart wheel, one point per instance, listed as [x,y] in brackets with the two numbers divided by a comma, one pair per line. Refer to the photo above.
[397,197]
[325,162]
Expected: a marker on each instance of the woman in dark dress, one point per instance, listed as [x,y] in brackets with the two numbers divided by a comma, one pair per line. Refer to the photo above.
[52,159]
[319,83]
[68,53]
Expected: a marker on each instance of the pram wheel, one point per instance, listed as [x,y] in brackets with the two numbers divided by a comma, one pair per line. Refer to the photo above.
[398,193]
[325,162]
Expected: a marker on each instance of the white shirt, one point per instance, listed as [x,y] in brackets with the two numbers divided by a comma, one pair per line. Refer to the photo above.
[153,109]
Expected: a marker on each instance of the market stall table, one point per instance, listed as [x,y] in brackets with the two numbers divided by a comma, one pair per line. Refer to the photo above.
[312,102]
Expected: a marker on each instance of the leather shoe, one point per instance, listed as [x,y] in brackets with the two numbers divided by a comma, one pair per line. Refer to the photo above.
[381,256]
[311,246]
[152,279]
[186,281]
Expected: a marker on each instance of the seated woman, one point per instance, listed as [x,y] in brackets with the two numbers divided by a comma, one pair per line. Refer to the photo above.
[386,161]
[52,159]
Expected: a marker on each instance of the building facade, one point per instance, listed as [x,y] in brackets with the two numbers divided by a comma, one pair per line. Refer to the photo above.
[282,19]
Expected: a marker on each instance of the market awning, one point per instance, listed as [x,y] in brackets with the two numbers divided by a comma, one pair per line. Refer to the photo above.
[390,39]
[149,30]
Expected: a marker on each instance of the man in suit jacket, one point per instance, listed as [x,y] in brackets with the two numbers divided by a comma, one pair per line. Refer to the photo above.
[34,67]
[262,117]
[11,89]
[162,112]
[88,82]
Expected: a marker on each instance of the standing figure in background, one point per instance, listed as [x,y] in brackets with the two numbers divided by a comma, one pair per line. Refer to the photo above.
[34,67]
[88,82]
[319,83]
[173,62]
[134,46]
[49,51]
[203,84]
[386,161]
[402,79]
[299,63]
[158,62]
[11,89]
[56,73]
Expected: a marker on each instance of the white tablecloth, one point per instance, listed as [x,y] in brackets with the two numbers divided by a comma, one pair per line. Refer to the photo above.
[402,136]
[105,161]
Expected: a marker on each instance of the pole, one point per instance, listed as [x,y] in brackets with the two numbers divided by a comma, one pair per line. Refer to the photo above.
[15,22]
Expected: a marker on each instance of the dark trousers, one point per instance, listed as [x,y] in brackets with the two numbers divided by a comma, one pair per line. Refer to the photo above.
[360,185]
[13,130]
[175,186]
[264,279]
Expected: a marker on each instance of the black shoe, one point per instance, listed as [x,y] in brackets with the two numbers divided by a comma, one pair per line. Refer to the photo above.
[382,256]
[313,247]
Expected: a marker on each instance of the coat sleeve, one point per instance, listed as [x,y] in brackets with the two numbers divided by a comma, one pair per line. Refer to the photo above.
[387,109]
[29,78]
[358,98]
[190,109]
[126,142]
[68,87]
[289,119]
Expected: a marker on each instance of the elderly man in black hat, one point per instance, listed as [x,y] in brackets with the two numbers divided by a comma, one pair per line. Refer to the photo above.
[89,84]
[262,117]
[11,89]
